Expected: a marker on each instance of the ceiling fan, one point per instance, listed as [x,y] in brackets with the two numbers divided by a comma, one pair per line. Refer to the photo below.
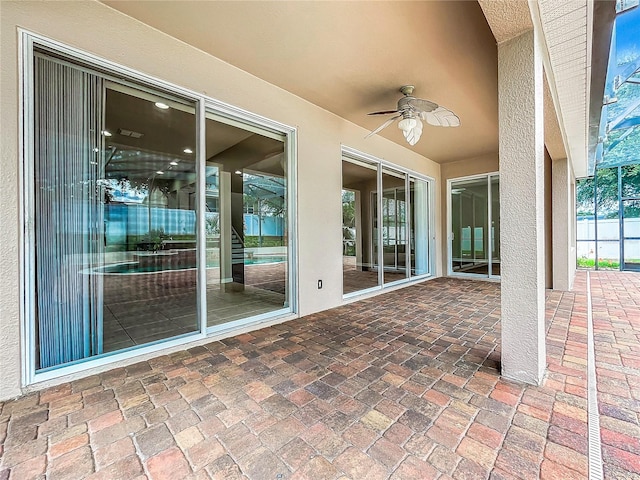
[412,110]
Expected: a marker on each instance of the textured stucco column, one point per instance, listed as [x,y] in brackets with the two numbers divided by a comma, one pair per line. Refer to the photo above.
[521,149]
[563,223]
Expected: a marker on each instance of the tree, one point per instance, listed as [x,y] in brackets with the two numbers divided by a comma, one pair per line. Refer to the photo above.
[607,192]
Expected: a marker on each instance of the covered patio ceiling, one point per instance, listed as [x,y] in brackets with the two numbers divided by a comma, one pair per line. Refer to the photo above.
[351,58]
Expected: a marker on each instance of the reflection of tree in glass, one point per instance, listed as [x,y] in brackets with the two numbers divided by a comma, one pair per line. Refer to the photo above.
[348,222]
[348,209]
[212,226]
[265,194]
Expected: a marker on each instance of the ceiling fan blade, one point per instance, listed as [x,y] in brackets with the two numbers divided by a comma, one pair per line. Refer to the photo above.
[422,105]
[385,112]
[441,117]
[384,125]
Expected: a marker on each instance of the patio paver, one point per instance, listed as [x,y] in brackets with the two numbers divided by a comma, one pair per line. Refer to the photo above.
[404,386]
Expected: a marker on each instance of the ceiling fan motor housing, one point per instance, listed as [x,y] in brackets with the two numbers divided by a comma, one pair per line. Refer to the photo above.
[404,105]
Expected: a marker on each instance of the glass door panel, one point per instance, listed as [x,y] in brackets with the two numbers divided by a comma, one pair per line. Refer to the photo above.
[359,226]
[495,226]
[394,225]
[470,232]
[115,216]
[245,221]
[150,279]
[419,226]
[631,234]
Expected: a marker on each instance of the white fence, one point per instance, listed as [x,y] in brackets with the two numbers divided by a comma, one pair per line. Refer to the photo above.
[608,239]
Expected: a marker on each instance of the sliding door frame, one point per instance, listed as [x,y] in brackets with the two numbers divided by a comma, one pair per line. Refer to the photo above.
[28,43]
[351,153]
[488,238]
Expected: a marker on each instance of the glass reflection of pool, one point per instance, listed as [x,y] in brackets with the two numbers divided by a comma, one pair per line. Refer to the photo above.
[134,267]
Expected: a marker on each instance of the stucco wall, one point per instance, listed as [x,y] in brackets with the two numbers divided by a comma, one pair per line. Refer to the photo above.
[98,29]
[464,168]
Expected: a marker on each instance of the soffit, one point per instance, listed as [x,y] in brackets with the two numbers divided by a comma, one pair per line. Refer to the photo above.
[350,58]
[564,28]
[507,18]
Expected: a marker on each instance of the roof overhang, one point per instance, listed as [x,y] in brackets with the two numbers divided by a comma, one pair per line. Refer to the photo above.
[575,36]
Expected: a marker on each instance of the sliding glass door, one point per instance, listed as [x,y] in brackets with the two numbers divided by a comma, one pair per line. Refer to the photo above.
[115,215]
[394,225]
[385,222]
[150,215]
[419,231]
[359,226]
[246,221]
[475,226]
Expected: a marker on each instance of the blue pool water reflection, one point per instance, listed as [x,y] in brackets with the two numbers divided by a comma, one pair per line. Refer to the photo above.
[136,267]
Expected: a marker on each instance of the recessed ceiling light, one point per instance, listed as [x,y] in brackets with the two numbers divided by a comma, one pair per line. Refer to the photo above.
[160,172]
[96,149]
[162,106]
[173,163]
[106,133]
[187,150]
[238,172]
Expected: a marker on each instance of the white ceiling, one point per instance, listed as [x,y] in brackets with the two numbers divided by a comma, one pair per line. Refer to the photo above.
[351,57]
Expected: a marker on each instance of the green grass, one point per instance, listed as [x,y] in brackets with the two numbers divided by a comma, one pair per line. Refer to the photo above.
[602,263]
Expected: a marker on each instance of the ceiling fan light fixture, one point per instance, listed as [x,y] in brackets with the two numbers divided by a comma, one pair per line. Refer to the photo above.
[407,124]
[412,129]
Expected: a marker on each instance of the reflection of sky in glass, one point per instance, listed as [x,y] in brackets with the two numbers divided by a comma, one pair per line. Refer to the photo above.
[628,36]
[622,142]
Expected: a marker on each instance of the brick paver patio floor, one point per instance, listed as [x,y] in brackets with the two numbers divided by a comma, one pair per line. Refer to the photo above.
[403,385]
